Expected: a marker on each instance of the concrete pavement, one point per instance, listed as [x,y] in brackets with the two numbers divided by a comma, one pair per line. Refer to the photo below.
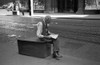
[9,56]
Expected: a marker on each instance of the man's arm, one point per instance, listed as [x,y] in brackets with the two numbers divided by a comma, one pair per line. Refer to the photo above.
[39,30]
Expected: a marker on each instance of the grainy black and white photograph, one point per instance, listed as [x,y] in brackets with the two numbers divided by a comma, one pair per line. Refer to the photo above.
[49,32]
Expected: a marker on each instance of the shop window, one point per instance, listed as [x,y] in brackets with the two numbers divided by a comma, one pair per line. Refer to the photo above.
[92,4]
[39,5]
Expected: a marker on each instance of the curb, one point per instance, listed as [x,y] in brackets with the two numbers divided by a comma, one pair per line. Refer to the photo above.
[78,18]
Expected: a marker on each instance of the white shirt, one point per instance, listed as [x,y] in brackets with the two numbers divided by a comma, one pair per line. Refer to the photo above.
[39,29]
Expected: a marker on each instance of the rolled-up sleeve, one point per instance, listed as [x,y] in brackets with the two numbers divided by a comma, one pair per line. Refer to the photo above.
[39,30]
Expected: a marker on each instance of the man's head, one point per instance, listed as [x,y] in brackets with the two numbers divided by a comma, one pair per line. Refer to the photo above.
[47,19]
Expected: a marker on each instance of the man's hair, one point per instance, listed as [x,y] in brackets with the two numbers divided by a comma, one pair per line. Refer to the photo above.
[47,18]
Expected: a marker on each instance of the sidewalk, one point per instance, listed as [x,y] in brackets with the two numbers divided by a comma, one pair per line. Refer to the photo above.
[10,56]
[56,15]
[70,16]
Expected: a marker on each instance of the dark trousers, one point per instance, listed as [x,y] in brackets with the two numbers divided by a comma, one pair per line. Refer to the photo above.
[22,11]
[56,45]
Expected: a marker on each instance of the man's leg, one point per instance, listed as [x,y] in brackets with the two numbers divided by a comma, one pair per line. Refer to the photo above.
[56,45]
[22,12]
[56,49]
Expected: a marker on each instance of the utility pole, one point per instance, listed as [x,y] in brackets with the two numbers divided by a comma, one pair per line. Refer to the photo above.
[31,7]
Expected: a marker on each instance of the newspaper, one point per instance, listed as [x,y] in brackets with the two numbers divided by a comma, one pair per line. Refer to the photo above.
[54,36]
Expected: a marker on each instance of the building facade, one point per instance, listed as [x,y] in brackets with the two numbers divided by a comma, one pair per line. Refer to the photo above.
[62,6]
[56,6]
[67,6]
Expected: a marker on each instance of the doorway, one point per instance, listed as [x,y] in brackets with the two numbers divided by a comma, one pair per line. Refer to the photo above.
[67,6]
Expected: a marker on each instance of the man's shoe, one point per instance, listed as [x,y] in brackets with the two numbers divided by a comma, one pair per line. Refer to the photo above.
[60,56]
[56,56]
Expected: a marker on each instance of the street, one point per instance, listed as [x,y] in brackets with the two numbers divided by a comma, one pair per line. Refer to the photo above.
[79,41]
